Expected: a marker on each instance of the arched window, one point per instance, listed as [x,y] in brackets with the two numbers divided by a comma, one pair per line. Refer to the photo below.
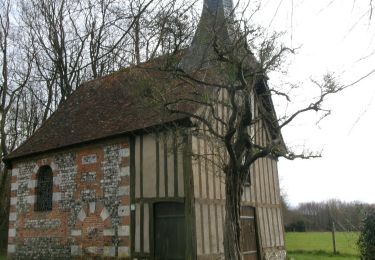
[44,189]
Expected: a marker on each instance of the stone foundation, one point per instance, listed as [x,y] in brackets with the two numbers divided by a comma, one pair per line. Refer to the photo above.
[274,254]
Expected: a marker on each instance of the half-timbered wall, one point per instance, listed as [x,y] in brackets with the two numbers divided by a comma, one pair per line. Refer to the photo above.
[157,171]
[209,194]
[263,193]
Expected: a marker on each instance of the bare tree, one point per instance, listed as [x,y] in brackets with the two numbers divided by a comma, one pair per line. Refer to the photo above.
[15,66]
[166,27]
[226,70]
[56,35]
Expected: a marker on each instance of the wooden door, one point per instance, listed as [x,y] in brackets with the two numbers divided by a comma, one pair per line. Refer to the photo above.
[169,231]
[249,242]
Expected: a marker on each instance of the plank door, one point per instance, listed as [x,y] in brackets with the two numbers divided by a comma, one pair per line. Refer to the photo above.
[169,231]
[249,243]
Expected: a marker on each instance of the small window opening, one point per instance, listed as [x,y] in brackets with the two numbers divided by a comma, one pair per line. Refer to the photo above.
[247,179]
[44,189]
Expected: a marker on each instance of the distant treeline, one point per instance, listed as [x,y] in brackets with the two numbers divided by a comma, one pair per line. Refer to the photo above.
[318,216]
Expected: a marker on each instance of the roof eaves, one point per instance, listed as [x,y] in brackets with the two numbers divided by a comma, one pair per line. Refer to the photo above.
[184,121]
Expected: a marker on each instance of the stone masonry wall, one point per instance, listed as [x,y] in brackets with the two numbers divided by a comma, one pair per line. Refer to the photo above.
[90,216]
[274,254]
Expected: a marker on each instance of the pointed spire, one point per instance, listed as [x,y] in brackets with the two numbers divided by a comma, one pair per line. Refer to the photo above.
[214,26]
[221,7]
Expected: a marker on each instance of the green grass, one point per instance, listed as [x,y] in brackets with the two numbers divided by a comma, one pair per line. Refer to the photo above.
[315,246]
[318,245]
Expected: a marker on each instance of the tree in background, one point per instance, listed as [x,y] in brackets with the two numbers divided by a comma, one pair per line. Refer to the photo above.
[366,241]
[317,216]
[48,48]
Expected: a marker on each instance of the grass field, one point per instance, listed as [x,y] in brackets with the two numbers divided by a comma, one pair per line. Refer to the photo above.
[318,245]
[315,246]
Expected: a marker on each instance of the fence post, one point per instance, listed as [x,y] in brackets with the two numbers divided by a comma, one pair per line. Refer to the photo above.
[334,237]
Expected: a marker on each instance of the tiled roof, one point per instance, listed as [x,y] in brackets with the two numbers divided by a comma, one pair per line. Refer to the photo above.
[104,107]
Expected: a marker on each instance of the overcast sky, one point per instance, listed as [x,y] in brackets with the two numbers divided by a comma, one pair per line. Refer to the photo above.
[337,37]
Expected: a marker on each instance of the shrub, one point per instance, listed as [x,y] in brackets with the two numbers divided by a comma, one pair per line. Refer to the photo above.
[366,241]
[297,226]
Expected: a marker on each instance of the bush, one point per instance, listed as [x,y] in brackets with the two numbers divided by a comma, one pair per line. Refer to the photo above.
[366,241]
[297,226]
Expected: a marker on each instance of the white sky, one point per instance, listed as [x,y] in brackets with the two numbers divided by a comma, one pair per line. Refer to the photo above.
[333,37]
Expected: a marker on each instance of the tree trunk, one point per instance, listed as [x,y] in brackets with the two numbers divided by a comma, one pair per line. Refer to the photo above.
[137,41]
[232,218]
[4,206]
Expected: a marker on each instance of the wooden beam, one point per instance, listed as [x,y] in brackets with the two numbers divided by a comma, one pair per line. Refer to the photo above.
[132,194]
[191,241]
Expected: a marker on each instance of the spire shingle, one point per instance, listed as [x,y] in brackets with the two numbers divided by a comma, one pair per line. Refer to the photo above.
[214,26]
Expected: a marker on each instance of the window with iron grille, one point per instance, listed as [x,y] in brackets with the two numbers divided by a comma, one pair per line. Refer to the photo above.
[44,189]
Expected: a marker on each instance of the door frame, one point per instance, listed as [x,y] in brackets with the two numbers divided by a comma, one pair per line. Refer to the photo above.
[257,236]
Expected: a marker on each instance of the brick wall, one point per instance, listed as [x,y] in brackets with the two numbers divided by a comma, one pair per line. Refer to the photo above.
[91,204]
